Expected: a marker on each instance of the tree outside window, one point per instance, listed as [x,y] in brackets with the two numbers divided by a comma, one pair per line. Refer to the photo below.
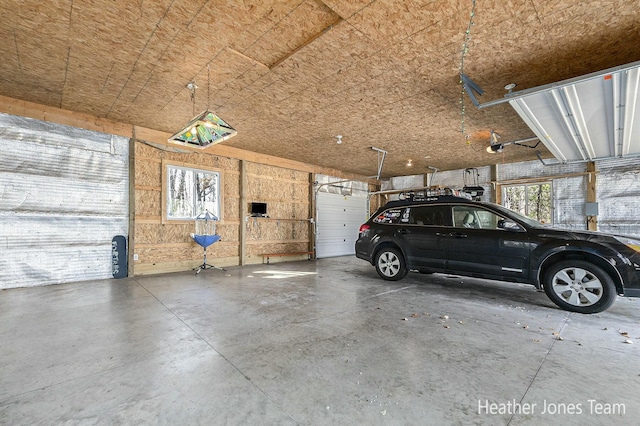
[532,200]
[191,191]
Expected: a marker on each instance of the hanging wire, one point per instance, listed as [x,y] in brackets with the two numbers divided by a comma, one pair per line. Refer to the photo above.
[465,49]
[208,85]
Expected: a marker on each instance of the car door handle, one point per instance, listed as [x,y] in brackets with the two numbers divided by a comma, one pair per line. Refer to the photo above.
[451,234]
[403,231]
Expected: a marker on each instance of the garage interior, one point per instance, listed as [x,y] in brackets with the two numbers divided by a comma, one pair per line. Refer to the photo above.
[338,106]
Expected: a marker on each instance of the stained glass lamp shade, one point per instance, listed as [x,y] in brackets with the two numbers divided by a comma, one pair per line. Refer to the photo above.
[204,130]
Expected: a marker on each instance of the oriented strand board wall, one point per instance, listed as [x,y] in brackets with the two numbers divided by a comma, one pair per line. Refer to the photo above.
[286,193]
[166,247]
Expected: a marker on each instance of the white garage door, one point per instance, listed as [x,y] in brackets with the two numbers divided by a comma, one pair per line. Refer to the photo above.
[338,222]
[64,194]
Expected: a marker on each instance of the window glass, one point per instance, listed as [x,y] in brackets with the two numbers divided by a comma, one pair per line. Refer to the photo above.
[207,192]
[390,215]
[532,200]
[475,217]
[429,215]
[191,192]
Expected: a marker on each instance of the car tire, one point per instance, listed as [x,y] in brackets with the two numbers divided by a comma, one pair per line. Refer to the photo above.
[390,264]
[579,286]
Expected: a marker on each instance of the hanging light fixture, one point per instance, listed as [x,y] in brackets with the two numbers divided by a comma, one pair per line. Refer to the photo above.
[205,128]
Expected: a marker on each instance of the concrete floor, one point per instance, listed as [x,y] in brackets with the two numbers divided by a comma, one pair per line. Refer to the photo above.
[312,342]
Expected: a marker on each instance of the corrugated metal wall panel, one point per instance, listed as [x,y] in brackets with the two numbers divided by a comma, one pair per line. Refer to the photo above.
[402,182]
[455,179]
[569,196]
[533,169]
[618,195]
[63,196]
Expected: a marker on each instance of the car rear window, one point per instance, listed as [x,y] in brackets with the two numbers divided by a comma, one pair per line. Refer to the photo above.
[390,216]
[429,215]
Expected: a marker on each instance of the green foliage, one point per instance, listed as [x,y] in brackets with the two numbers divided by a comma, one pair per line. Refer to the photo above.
[532,200]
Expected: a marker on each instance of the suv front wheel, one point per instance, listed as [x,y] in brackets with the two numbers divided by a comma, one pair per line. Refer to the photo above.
[579,286]
[390,264]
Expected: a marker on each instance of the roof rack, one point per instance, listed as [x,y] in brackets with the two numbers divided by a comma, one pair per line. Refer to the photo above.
[432,194]
[428,195]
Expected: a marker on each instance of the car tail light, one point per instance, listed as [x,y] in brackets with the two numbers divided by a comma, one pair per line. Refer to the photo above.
[363,228]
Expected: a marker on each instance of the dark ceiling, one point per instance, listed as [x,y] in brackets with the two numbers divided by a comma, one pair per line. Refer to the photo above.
[291,75]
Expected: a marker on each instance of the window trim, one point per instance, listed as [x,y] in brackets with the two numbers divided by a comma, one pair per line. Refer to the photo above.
[197,167]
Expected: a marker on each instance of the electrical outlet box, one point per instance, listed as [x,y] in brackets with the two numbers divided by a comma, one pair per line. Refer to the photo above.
[135,257]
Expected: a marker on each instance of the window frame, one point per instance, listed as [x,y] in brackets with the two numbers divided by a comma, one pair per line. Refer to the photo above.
[166,164]
[503,195]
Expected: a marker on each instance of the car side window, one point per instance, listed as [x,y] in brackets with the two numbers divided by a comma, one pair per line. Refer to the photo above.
[475,217]
[390,216]
[428,215]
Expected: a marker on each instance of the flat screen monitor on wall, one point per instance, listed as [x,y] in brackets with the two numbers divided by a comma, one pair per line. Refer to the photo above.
[258,209]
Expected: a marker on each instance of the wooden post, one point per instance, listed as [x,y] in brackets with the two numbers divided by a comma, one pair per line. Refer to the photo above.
[132,207]
[496,196]
[592,221]
[312,214]
[242,212]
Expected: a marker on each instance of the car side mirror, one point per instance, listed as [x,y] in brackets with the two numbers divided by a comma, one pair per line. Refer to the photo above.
[508,225]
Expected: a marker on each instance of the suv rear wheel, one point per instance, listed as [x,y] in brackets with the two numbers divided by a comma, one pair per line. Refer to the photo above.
[579,286]
[390,264]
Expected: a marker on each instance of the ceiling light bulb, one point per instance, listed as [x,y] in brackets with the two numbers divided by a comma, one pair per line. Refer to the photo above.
[409,163]
[339,137]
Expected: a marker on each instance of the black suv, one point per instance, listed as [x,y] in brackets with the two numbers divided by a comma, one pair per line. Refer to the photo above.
[580,271]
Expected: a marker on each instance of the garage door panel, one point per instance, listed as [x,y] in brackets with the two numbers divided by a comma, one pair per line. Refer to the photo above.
[338,222]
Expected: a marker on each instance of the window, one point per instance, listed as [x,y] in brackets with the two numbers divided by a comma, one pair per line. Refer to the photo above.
[191,191]
[428,215]
[415,215]
[532,200]
[475,217]
[391,215]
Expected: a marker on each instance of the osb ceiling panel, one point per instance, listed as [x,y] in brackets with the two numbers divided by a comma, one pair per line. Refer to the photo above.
[291,75]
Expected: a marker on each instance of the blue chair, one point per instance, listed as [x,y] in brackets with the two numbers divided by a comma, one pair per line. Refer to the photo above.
[204,236]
